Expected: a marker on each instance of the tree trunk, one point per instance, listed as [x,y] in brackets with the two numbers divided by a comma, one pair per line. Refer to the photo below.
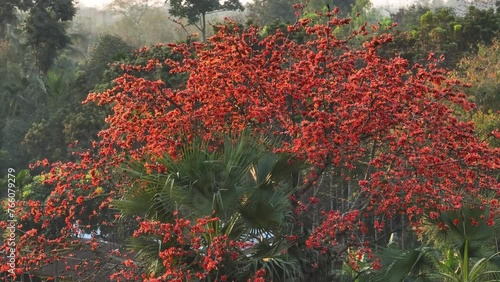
[203,28]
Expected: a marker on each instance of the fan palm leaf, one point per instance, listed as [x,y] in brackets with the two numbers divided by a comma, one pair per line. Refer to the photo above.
[241,184]
[469,245]
[410,265]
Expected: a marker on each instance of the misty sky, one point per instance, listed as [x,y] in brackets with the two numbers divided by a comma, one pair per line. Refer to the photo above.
[102,3]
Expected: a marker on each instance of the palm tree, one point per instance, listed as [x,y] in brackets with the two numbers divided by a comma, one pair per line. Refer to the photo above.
[465,251]
[242,184]
[469,242]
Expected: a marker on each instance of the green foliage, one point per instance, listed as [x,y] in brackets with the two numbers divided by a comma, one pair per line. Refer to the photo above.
[479,27]
[463,228]
[46,36]
[196,11]
[481,71]
[7,14]
[346,7]
[33,35]
[43,140]
[22,180]
[43,26]
[63,119]
[21,92]
[216,179]
[458,246]
[407,265]
[487,122]
[109,49]
[422,30]
[266,12]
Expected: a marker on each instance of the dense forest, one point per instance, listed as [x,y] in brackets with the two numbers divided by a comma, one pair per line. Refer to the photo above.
[273,140]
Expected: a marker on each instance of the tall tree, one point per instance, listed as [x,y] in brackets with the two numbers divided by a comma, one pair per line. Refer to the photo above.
[133,12]
[346,7]
[43,26]
[384,127]
[195,11]
[265,12]
[7,15]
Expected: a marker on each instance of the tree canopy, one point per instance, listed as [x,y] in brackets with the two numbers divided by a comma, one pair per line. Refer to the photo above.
[43,26]
[323,150]
[196,11]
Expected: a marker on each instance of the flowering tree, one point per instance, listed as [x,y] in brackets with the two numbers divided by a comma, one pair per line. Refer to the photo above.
[385,127]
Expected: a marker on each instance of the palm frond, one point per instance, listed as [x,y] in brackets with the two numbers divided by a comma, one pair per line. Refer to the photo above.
[272,256]
[148,253]
[266,209]
[484,269]
[398,265]
[477,234]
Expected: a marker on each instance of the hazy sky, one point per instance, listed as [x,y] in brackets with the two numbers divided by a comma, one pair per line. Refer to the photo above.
[102,3]
[94,3]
